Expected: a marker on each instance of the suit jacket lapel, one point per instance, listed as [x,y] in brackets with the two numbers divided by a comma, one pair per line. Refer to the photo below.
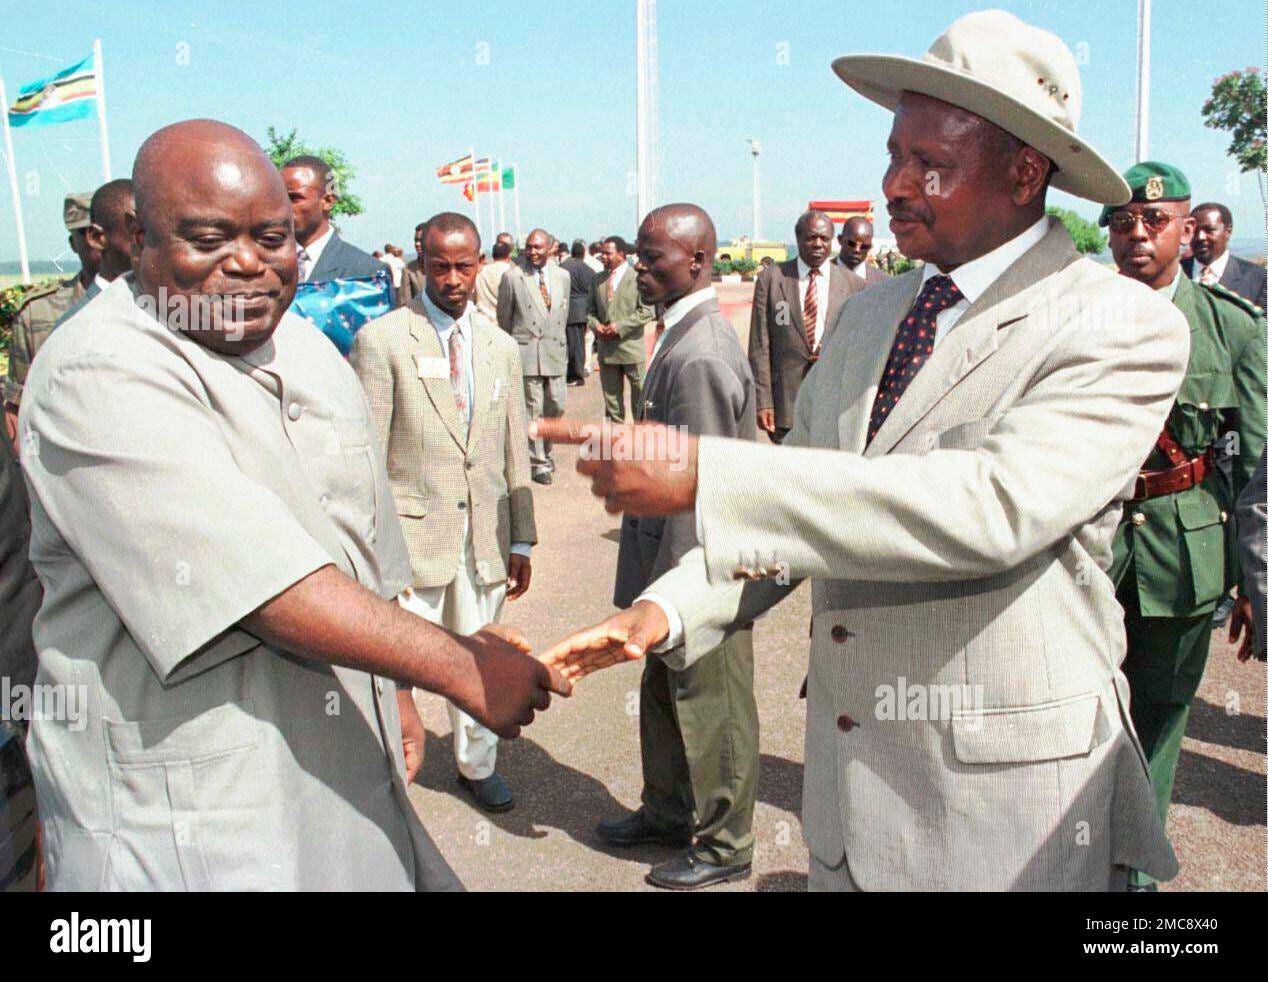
[439,390]
[676,334]
[975,337]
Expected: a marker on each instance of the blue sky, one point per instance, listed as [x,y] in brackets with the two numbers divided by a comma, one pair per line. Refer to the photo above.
[400,89]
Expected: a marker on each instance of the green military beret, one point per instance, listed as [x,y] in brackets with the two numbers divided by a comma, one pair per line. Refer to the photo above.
[1151,181]
[75,211]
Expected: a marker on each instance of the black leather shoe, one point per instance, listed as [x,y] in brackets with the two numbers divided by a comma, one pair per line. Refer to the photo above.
[636,830]
[692,871]
[492,793]
[542,477]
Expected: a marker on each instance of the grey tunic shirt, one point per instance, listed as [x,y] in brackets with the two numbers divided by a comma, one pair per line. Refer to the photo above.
[175,490]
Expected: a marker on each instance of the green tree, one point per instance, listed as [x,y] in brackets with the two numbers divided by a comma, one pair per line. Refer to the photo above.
[1088,238]
[1239,104]
[283,148]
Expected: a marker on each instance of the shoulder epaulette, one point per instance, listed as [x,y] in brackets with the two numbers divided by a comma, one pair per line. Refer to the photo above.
[1224,293]
[35,293]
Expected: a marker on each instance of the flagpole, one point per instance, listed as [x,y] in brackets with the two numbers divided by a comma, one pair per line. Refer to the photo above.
[501,202]
[515,169]
[13,185]
[101,108]
[475,195]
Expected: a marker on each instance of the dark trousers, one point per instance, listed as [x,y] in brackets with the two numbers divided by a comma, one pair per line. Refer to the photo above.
[698,732]
[576,334]
[18,867]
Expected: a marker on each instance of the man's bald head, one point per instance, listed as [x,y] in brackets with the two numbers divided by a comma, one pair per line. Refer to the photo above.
[855,240]
[111,206]
[537,247]
[676,246]
[212,237]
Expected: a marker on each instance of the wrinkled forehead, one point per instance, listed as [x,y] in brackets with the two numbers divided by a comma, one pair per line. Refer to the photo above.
[187,180]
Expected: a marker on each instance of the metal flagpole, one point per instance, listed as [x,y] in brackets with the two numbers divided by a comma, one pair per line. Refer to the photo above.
[755,149]
[475,195]
[645,106]
[515,169]
[1142,80]
[13,185]
[501,202]
[101,108]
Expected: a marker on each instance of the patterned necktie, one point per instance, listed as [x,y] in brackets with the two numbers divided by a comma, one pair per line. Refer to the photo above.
[1207,277]
[810,311]
[541,285]
[305,264]
[913,344]
[458,375]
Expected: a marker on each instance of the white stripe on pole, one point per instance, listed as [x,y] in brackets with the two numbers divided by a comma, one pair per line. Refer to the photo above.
[501,202]
[101,109]
[475,194]
[515,168]
[1141,80]
[13,186]
[645,108]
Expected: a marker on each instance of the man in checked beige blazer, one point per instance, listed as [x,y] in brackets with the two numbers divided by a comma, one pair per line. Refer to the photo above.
[458,467]
[951,486]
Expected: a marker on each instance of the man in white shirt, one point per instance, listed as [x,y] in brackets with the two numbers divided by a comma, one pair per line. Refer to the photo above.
[956,469]
[790,319]
[394,260]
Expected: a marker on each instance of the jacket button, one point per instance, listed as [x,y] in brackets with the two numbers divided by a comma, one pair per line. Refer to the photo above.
[839,633]
[1138,518]
[1203,406]
[462,506]
[294,411]
[1223,516]
[845,723]
[470,464]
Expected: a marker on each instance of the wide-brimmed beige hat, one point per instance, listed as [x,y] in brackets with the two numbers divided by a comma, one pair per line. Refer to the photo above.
[1022,79]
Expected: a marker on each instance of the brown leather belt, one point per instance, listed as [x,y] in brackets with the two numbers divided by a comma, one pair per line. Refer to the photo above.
[1154,484]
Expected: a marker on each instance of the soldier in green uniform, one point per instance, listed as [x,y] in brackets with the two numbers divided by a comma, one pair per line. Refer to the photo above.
[1173,555]
[43,307]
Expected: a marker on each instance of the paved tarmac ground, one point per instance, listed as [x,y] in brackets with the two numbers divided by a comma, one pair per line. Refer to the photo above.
[579,762]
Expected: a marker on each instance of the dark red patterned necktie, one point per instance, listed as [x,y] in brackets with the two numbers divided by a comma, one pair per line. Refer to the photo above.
[810,311]
[913,344]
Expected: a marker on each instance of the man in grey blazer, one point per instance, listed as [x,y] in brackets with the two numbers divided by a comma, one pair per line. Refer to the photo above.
[856,243]
[323,254]
[533,309]
[618,317]
[698,724]
[794,304]
[1211,261]
[445,395]
[953,502]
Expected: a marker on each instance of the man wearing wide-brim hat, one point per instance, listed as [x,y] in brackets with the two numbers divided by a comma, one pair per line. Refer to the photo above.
[957,466]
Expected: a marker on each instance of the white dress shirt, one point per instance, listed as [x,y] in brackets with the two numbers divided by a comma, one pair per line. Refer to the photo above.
[973,279]
[313,253]
[397,265]
[976,276]
[444,323]
[618,274]
[821,294]
[860,270]
[676,311]
[1217,267]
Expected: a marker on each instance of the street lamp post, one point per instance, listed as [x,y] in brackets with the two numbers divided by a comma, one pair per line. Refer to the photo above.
[755,149]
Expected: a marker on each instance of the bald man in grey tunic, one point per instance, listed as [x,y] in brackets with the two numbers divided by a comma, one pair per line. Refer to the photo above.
[220,555]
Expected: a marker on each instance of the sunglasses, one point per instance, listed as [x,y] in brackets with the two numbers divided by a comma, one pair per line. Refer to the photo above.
[1155,219]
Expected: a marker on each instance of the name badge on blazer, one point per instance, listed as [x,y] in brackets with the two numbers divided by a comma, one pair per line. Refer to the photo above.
[432,367]
[497,389]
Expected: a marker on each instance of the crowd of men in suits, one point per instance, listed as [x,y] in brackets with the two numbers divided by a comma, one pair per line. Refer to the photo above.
[1033,503]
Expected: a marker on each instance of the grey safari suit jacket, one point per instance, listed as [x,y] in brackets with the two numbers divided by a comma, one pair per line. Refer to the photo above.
[173,491]
[960,557]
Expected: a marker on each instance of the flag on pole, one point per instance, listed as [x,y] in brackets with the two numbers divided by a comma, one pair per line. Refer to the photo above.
[457,172]
[70,94]
[507,179]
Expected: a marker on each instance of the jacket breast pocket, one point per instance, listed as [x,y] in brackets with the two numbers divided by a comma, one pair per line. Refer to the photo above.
[354,484]
[1201,521]
[175,783]
[1070,727]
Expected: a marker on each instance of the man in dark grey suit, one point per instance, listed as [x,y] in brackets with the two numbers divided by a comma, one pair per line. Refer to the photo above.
[582,276]
[323,254]
[19,599]
[856,243]
[1213,263]
[795,304]
[698,727]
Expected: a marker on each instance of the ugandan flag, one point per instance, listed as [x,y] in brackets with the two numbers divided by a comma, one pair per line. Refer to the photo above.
[68,95]
[457,172]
